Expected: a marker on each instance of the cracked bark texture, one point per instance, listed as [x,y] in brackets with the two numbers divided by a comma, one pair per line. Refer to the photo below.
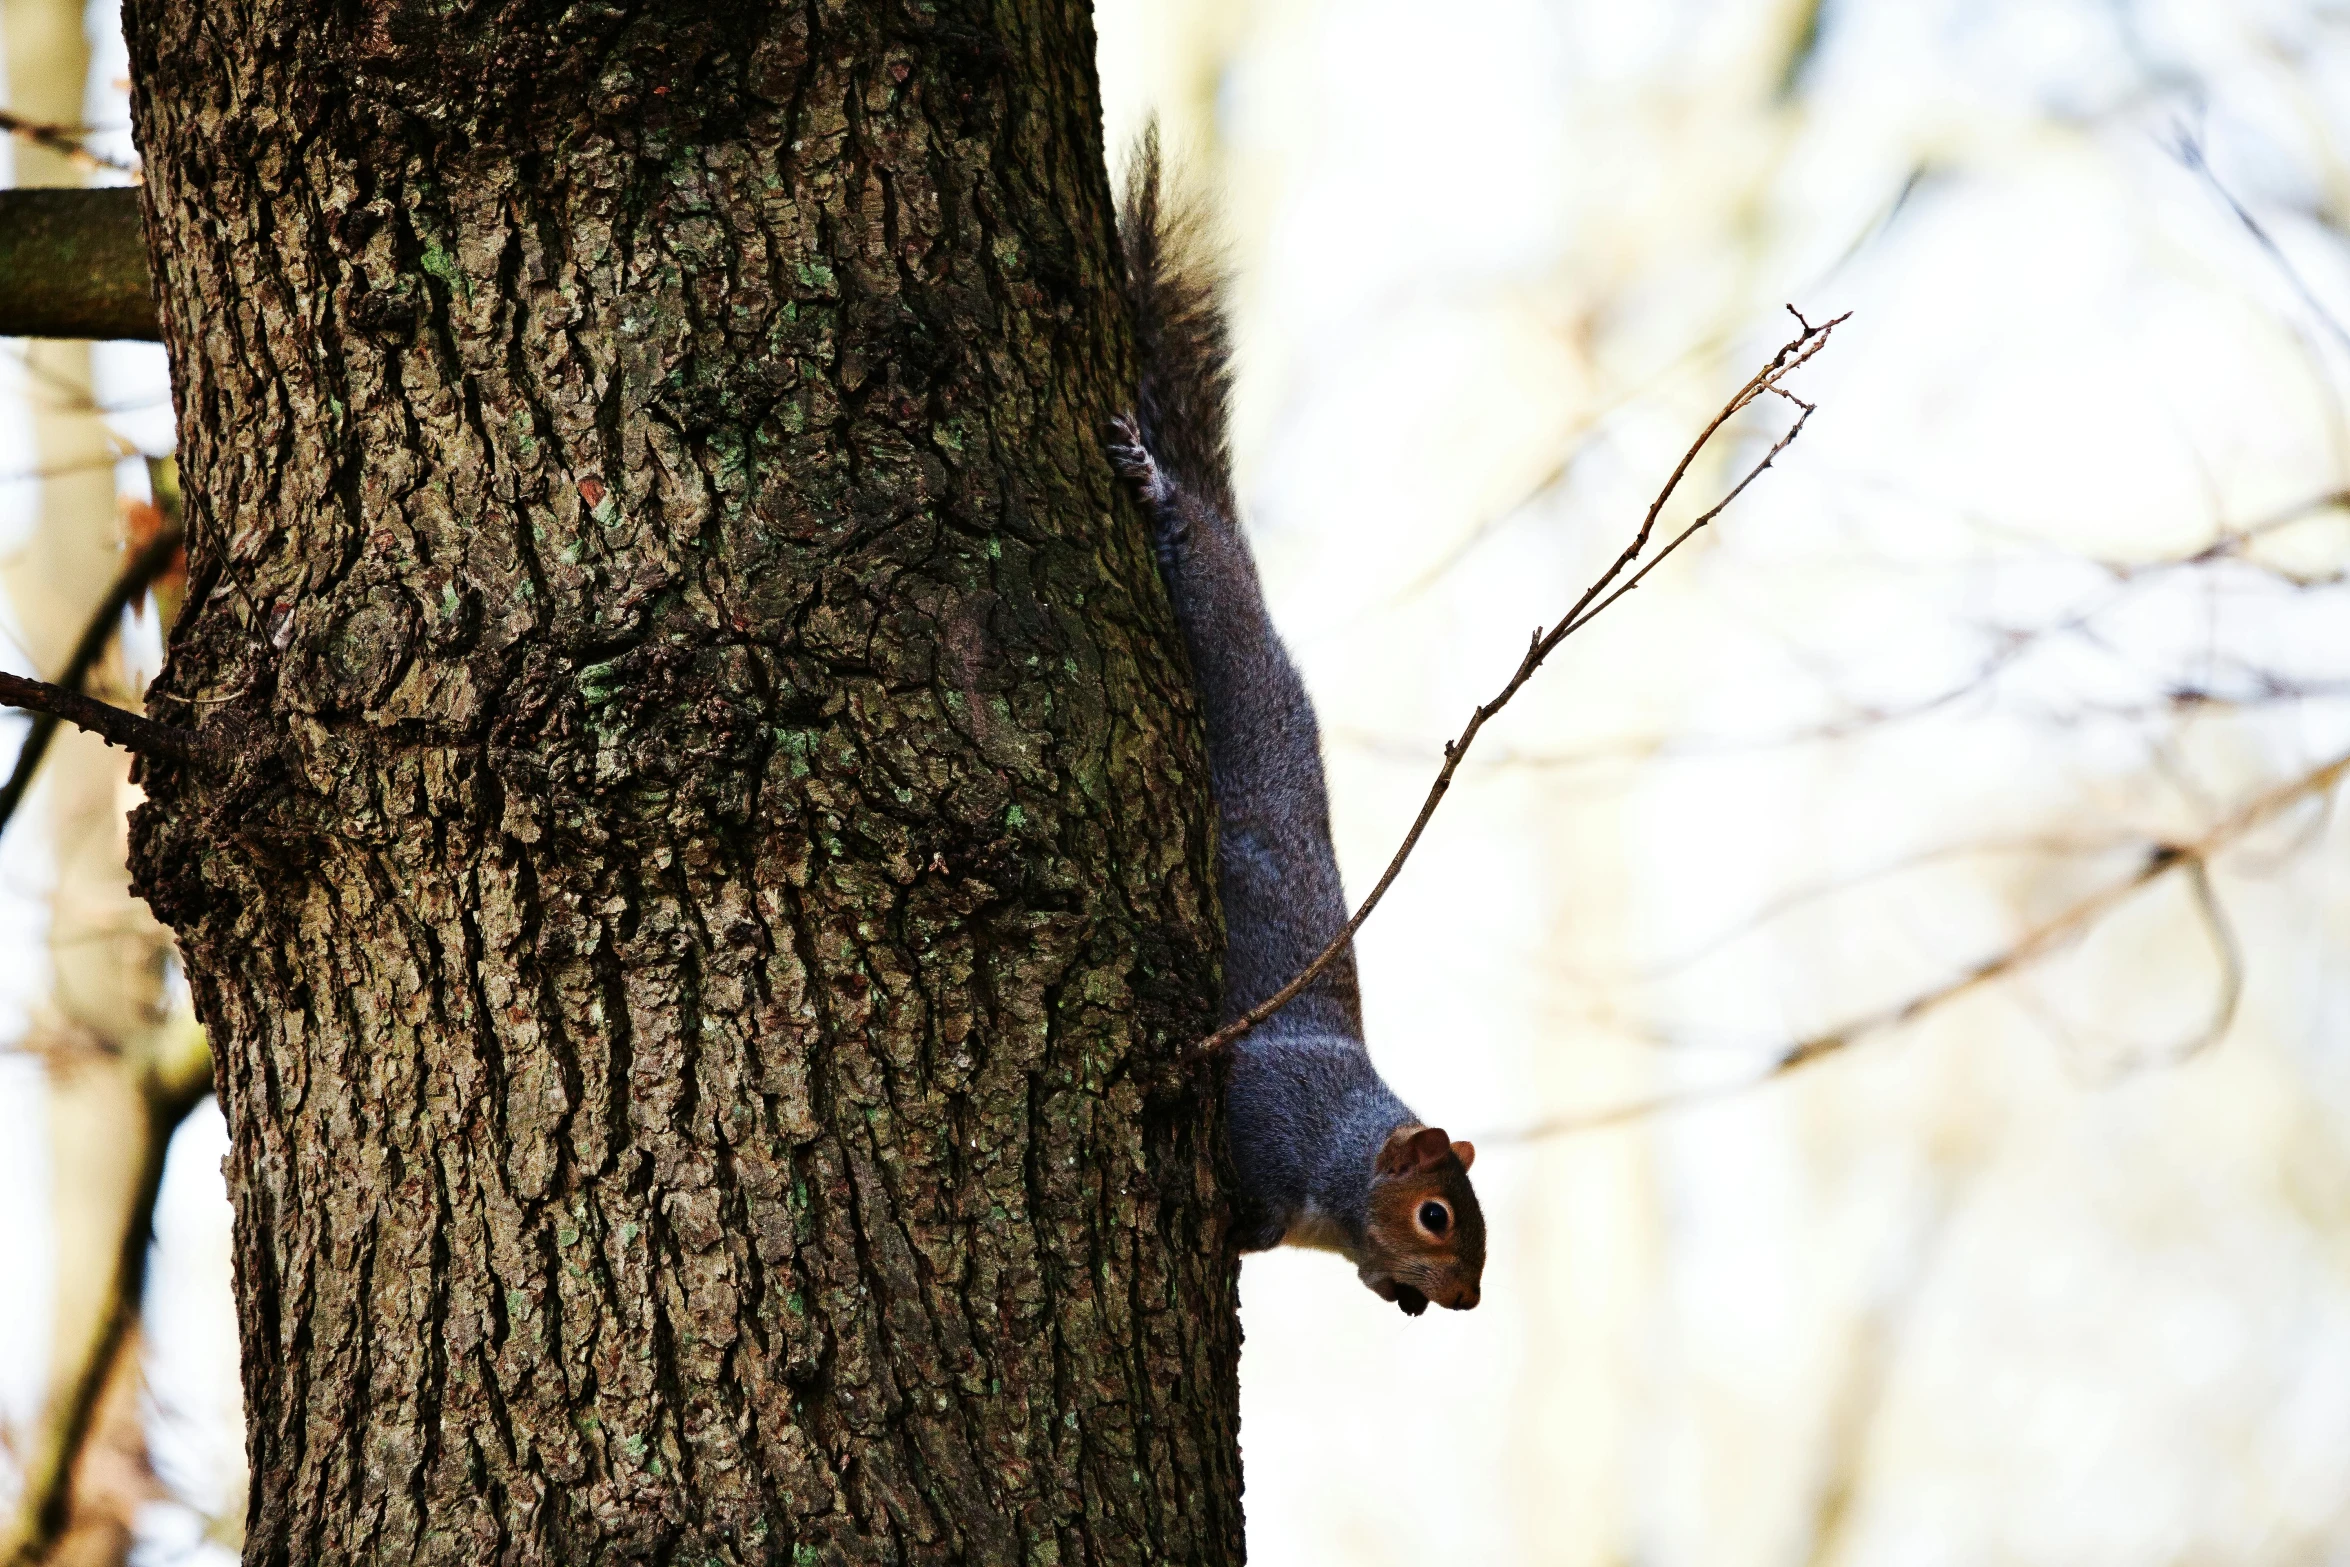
[708,860]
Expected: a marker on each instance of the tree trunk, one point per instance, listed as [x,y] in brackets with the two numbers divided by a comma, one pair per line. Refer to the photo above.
[705,868]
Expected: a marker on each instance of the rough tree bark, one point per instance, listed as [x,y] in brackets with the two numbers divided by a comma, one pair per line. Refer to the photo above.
[705,862]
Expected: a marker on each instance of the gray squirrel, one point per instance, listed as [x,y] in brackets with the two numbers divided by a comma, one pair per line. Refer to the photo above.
[1327,1156]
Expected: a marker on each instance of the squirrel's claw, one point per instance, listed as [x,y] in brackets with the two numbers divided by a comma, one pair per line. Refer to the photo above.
[1134,461]
[1411,1300]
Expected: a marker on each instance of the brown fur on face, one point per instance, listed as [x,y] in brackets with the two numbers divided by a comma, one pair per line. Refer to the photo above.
[1406,1260]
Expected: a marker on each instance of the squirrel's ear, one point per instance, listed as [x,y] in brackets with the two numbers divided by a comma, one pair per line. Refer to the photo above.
[1400,1154]
[1408,1152]
[1466,1153]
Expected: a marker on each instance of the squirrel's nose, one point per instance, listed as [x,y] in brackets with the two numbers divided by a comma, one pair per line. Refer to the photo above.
[1464,1299]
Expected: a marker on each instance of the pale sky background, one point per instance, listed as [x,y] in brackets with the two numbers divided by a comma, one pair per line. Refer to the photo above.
[2030,1282]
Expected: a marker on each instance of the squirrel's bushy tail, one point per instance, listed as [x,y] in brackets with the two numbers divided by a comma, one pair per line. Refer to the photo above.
[1172,279]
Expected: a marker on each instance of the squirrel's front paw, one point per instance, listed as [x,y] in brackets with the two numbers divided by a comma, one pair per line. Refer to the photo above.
[1134,461]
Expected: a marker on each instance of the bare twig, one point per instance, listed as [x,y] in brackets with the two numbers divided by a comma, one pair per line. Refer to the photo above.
[62,470]
[2013,645]
[68,395]
[67,139]
[172,1079]
[149,563]
[1644,748]
[2228,950]
[110,724]
[1582,437]
[2232,543]
[2047,846]
[2037,943]
[1612,585]
[2187,147]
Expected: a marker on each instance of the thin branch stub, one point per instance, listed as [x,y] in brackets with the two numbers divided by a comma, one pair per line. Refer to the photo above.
[113,725]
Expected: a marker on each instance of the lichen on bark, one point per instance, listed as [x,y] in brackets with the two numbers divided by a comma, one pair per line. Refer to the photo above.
[707,866]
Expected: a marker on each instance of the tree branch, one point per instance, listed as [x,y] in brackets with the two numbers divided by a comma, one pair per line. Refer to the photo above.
[172,1079]
[2194,859]
[2187,147]
[149,563]
[65,139]
[73,263]
[1607,590]
[110,724]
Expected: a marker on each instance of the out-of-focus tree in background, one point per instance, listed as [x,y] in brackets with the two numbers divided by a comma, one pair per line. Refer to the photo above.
[1967,790]
[107,1061]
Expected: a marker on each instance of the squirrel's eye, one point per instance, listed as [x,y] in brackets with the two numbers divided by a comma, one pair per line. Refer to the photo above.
[1434,1217]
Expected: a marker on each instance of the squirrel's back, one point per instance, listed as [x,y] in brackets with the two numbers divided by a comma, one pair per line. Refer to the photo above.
[1325,1153]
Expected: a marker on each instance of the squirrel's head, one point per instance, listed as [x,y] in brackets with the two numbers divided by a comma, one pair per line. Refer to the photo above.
[1426,1237]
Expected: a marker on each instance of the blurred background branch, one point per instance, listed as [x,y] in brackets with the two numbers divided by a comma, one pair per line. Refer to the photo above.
[163,554]
[2192,861]
[69,140]
[104,1062]
[169,1076]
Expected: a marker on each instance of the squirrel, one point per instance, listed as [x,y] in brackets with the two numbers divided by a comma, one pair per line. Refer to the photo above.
[1326,1155]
